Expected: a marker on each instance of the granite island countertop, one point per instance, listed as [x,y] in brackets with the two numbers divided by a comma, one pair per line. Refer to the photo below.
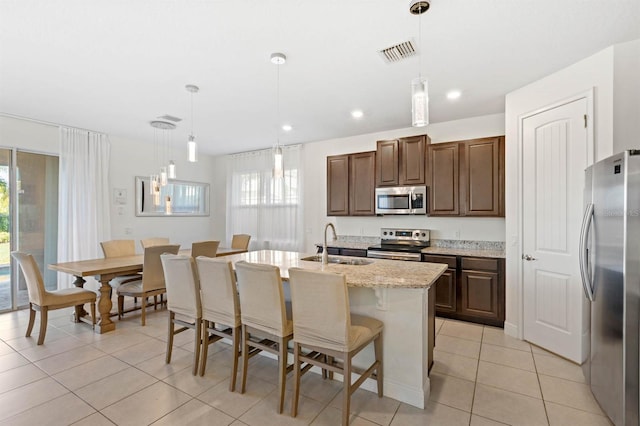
[380,273]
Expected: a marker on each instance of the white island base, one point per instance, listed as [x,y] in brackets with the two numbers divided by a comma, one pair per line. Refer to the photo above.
[407,339]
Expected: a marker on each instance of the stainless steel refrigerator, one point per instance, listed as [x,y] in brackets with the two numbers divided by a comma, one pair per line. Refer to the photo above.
[610,268]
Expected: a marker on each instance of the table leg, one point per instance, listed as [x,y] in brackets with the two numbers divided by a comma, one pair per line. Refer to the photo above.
[104,307]
[79,282]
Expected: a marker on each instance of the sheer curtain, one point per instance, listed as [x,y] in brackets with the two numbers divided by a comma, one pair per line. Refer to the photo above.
[267,208]
[83,210]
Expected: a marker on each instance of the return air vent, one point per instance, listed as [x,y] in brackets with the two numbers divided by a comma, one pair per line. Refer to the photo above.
[398,52]
[170,118]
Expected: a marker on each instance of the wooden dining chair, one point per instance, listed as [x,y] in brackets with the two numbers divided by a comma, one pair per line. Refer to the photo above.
[42,300]
[119,248]
[240,241]
[220,310]
[264,315]
[151,282]
[183,299]
[328,331]
[150,242]
[204,248]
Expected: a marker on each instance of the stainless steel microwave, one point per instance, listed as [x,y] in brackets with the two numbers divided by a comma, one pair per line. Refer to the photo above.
[401,200]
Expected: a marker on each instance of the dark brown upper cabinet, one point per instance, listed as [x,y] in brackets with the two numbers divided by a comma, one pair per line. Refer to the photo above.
[444,176]
[482,177]
[351,184]
[466,178]
[401,161]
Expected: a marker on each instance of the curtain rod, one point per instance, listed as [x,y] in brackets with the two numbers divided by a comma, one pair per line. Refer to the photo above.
[46,123]
[257,151]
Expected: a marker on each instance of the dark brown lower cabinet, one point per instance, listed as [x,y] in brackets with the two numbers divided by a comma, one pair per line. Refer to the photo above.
[341,251]
[471,289]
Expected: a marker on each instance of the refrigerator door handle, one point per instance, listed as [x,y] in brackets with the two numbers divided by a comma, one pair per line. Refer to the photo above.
[584,255]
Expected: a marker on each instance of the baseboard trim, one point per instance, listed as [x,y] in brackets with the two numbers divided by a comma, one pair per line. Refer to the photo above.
[511,329]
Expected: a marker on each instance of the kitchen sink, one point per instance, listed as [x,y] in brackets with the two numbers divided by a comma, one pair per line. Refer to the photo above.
[338,260]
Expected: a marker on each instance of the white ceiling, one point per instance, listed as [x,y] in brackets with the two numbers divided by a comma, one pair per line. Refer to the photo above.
[114,66]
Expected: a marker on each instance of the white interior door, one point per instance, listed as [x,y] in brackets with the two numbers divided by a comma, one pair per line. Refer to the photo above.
[555,154]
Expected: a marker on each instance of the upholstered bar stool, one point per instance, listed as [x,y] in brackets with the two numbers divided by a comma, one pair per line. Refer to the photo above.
[264,316]
[183,300]
[323,324]
[240,241]
[204,248]
[221,308]
[42,300]
[152,280]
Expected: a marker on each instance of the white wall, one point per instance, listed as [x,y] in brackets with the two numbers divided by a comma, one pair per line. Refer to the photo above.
[612,73]
[129,158]
[626,86]
[315,183]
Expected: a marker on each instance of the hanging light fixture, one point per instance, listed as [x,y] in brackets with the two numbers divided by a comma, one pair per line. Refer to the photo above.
[160,179]
[419,85]
[278,163]
[192,147]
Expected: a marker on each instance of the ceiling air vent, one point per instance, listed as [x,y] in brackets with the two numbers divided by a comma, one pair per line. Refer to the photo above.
[170,118]
[398,52]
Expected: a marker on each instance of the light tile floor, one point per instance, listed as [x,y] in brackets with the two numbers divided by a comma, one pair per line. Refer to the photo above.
[480,377]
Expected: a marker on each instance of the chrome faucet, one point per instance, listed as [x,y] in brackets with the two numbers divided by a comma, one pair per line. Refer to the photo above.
[325,255]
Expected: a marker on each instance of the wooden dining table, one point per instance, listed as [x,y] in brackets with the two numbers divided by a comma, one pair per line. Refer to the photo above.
[106,269]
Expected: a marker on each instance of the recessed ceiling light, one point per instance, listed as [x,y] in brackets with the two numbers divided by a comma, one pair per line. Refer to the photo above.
[287,127]
[454,94]
[357,113]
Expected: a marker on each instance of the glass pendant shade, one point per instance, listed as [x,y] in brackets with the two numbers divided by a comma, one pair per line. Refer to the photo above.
[163,176]
[192,149]
[419,102]
[172,170]
[278,166]
[153,183]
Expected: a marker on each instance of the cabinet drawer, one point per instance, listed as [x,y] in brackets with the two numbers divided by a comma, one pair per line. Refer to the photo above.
[449,260]
[480,264]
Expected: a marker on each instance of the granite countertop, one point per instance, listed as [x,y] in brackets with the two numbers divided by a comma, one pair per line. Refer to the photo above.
[380,273]
[451,247]
[464,252]
[359,245]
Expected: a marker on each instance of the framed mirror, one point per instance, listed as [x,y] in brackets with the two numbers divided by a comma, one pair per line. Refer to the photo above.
[176,198]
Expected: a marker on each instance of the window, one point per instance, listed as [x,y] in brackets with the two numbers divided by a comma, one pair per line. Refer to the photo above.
[268,209]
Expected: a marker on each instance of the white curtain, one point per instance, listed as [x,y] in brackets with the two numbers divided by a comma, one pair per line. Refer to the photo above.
[83,210]
[267,208]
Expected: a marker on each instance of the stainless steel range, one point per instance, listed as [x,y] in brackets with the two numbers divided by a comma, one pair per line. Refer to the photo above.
[400,244]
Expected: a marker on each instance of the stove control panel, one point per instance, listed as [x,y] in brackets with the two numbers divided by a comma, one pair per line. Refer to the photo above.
[404,234]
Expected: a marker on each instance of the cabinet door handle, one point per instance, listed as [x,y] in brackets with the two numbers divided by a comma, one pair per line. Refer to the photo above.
[528,257]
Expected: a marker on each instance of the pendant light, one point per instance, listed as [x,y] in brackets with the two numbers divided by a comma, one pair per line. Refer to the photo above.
[278,163]
[419,85]
[192,147]
[160,179]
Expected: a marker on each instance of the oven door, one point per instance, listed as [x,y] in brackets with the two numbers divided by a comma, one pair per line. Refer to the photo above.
[395,255]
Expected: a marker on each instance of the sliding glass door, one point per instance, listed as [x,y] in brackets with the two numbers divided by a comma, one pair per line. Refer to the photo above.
[29,208]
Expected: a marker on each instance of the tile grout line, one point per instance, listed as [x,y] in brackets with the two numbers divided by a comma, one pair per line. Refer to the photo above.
[544,404]
[475,382]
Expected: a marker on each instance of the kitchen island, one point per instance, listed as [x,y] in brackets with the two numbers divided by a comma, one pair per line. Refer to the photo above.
[396,293]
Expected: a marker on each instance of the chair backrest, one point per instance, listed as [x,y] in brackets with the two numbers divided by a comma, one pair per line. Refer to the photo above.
[218,291]
[150,242]
[183,288]
[32,275]
[240,241]
[204,248]
[261,297]
[118,248]
[152,273]
[320,306]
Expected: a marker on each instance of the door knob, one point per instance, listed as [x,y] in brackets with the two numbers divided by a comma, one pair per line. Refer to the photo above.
[528,257]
